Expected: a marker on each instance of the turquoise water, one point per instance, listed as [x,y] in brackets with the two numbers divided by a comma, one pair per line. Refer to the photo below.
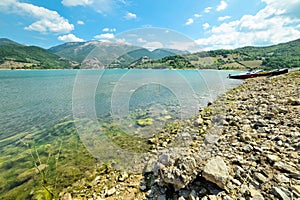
[41,98]
[39,110]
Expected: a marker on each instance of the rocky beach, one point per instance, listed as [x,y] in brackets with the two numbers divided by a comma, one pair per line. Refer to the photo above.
[244,145]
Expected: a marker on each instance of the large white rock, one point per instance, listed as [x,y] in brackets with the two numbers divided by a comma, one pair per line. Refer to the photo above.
[216,171]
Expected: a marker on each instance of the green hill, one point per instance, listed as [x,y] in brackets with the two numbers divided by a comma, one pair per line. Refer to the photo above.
[17,56]
[284,55]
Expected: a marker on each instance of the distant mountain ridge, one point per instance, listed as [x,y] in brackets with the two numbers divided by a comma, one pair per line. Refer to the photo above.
[79,51]
[17,56]
[95,54]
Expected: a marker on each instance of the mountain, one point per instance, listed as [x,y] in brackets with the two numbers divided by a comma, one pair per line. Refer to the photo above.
[95,54]
[284,55]
[109,54]
[17,56]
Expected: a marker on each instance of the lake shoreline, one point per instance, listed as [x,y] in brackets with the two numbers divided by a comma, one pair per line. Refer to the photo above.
[251,133]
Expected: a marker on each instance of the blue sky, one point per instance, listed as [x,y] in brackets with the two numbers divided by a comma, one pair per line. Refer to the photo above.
[212,24]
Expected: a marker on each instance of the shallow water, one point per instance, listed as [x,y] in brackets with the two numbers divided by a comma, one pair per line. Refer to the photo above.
[37,109]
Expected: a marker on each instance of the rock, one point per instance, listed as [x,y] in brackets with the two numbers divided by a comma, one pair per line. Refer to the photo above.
[261,178]
[293,102]
[273,158]
[181,198]
[280,194]
[111,191]
[296,190]
[143,188]
[145,122]
[67,196]
[198,122]
[281,178]
[256,195]
[165,159]
[180,174]
[284,167]
[123,176]
[211,139]
[149,166]
[216,171]
[162,197]
[247,148]
[193,195]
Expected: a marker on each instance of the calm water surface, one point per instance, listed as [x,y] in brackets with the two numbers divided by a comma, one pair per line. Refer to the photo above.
[41,98]
[38,107]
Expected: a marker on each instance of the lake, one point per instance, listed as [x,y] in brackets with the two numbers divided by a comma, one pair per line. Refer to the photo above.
[40,110]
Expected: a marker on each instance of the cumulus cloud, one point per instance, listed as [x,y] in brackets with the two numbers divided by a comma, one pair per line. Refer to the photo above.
[109,29]
[271,25]
[130,15]
[105,36]
[101,6]
[69,38]
[141,40]
[205,26]
[197,15]
[207,10]
[47,20]
[223,18]
[76,2]
[189,22]
[79,22]
[223,5]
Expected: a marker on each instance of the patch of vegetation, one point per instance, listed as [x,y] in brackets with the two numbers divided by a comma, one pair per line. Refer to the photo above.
[17,56]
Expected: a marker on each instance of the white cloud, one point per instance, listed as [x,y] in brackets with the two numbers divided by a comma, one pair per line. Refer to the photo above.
[76,2]
[141,40]
[80,22]
[207,10]
[190,46]
[223,5]
[47,20]
[70,38]
[271,25]
[109,29]
[189,22]
[107,36]
[197,15]
[101,6]
[130,15]
[223,18]
[205,26]
[153,45]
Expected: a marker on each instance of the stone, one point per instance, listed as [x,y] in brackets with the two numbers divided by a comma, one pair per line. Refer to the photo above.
[293,101]
[296,188]
[67,196]
[281,178]
[261,178]
[284,167]
[247,148]
[280,194]
[216,171]
[165,159]
[273,158]
[162,197]
[193,195]
[256,195]
[111,191]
